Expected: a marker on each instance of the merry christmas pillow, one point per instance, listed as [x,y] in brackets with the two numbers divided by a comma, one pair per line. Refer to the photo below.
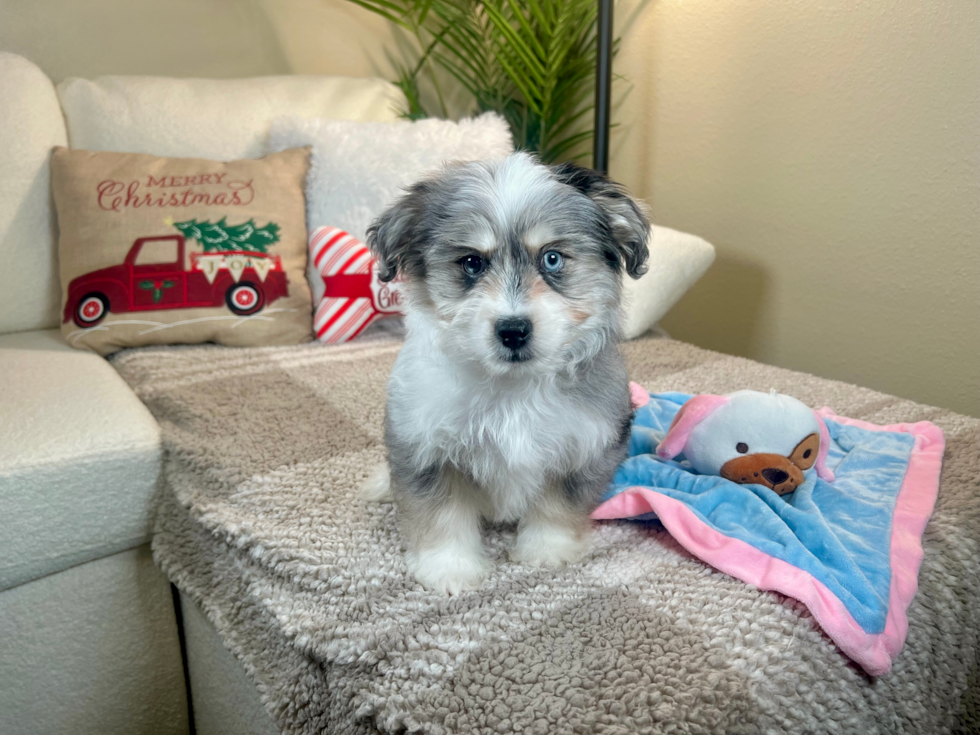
[181,250]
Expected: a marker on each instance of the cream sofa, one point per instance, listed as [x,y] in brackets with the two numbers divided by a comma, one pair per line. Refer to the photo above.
[89,638]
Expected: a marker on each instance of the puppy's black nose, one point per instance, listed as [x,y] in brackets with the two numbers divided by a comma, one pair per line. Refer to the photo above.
[775,476]
[514,332]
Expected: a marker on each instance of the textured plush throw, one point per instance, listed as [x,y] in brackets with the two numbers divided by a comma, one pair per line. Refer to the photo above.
[307,585]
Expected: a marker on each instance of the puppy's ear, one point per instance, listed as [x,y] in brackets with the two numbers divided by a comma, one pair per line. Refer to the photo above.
[627,220]
[395,238]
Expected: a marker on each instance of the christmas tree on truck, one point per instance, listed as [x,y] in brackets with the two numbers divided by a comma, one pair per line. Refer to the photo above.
[221,237]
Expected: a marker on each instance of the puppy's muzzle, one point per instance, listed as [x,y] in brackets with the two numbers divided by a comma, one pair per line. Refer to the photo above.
[514,332]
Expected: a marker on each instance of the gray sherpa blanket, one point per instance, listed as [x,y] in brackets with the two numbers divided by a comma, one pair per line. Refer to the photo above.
[307,585]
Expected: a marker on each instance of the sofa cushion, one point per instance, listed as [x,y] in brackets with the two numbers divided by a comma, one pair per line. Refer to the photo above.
[30,124]
[210,118]
[80,463]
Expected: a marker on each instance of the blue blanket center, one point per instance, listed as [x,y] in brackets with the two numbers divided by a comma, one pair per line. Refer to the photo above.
[838,532]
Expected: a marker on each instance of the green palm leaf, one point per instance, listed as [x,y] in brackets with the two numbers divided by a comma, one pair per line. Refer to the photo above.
[531,61]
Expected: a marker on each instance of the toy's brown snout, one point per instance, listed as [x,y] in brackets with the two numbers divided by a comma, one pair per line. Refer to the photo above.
[772,470]
[782,474]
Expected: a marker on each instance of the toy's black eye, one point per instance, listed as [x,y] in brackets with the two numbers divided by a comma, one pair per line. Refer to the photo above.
[552,261]
[807,453]
[741,447]
[472,265]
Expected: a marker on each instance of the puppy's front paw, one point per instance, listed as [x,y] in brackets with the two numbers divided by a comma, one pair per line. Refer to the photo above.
[549,546]
[377,487]
[448,569]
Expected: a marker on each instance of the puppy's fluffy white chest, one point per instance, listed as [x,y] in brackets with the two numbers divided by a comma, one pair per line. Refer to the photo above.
[509,436]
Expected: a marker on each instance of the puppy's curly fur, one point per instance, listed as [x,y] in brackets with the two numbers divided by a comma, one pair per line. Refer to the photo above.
[509,401]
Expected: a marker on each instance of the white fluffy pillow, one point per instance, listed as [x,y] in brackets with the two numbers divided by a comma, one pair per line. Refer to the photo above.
[677,260]
[358,169]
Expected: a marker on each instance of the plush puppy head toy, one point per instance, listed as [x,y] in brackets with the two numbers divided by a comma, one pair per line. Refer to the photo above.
[750,438]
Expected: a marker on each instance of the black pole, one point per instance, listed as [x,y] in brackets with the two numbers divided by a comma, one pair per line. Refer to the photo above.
[179,615]
[603,86]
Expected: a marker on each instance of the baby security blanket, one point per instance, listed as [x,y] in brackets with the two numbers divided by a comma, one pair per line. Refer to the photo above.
[850,550]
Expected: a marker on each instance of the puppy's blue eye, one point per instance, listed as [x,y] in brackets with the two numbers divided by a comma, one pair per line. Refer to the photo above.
[472,265]
[552,261]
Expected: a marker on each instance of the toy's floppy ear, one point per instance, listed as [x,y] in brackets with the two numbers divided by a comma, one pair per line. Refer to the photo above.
[691,414]
[823,472]
[638,396]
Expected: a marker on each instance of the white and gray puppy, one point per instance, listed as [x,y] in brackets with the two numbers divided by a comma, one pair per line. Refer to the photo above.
[509,401]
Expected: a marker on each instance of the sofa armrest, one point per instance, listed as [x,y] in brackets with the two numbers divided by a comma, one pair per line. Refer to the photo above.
[81,458]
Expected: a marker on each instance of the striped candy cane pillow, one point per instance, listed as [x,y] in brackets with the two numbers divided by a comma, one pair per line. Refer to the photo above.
[353,296]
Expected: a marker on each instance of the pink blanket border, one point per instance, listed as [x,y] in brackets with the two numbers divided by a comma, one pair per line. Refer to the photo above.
[913,507]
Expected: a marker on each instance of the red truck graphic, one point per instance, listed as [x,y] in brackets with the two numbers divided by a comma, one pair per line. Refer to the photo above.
[153,277]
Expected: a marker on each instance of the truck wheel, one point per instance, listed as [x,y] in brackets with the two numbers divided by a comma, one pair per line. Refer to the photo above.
[91,310]
[245,298]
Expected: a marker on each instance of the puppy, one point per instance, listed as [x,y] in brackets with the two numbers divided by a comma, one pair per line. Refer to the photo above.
[509,400]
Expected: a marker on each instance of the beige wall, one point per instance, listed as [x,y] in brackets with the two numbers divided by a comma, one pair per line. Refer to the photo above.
[830,151]
[196,38]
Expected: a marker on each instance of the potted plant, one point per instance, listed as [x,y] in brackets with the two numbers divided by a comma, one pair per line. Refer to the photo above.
[533,62]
